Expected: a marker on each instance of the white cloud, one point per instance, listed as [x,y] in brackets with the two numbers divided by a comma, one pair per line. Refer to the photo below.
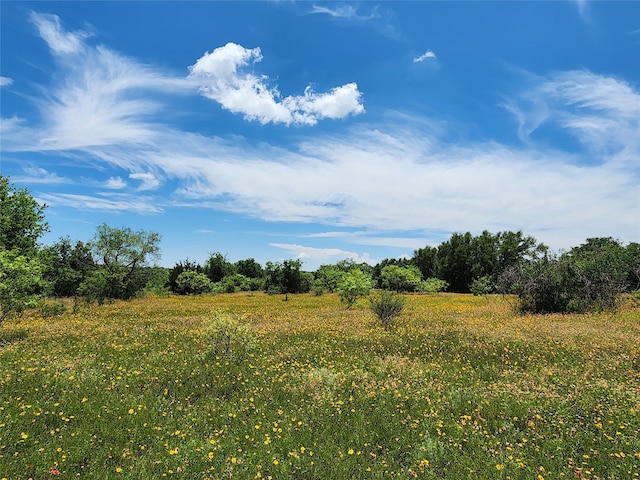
[603,113]
[5,81]
[115,183]
[424,56]
[313,257]
[37,175]
[148,180]
[59,40]
[108,203]
[342,11]
[222,77]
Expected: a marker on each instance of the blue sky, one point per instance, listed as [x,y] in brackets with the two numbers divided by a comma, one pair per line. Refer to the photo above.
[324,131]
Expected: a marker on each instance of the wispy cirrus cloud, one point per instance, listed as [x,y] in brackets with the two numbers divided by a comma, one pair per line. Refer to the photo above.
[103,202]
[223,77]
[5,82]
[601,112]
[349,12]
[59,40]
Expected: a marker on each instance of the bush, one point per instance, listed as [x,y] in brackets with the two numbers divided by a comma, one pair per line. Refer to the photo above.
[354,284]
[387,306]
[191,282]
[433,285]
[226,336]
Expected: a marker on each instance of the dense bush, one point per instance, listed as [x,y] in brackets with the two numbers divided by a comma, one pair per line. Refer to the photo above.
[578,281]
[191,282]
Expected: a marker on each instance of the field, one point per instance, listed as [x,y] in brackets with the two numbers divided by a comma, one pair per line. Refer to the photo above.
[462,388]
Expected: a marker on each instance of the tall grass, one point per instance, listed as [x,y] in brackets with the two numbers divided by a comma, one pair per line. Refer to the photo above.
[459,389]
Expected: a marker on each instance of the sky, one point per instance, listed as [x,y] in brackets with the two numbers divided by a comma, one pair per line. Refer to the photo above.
[322,131]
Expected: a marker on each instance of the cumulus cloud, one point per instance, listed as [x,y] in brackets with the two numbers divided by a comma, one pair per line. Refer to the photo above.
[223,77]
[5,81]
[424,56]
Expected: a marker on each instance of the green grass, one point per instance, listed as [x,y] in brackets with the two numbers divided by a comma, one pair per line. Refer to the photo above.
[459,389]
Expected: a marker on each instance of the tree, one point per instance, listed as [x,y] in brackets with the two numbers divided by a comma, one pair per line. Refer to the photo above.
[66,266]
[285,277]
[121,255]
[353,285]
[249,268]
[401,279]
[21,283]
[217,267]
[21,225]
[21,219]
[180,267]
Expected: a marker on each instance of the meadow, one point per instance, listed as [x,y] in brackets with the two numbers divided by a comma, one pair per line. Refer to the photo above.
[462,388]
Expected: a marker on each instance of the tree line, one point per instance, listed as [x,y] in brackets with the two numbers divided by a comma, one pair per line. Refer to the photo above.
[118,263]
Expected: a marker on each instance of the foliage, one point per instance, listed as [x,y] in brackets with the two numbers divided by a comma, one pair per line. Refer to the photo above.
[21,283]
[122,256]
[190,282]
[465,257]
[481,286]
[589,277]
[180,267]
[217,267]
[66,266]
[249,268]
[327,277]
[21,225]
[21,219]
[285,277]
[387,306]
[226,336]
[353,285]
[433,285]
[401,279]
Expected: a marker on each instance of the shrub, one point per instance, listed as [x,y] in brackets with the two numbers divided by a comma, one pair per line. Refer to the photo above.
[354,284]
[433,285]
[387,306]
[191,282]
[226,336]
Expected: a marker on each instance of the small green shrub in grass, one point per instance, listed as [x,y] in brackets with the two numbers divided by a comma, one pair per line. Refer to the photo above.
[226,336]
[387,306]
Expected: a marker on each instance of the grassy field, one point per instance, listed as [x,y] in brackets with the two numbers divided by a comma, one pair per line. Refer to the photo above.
[461,389]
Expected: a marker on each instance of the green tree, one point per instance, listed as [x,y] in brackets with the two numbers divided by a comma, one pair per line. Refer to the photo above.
[21,219]
[401,279]
[353,285]
[285,277]
[249,268]
[121,255]
[21,283]
[217,267]
[21,225]
[66,266]
[180,267]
